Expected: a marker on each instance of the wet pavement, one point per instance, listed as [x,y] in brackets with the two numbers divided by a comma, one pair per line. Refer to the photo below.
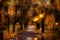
[37,36]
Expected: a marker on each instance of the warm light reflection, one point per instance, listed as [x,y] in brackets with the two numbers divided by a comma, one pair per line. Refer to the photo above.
[41,15]
[17,27]
[56,23]
[36,19]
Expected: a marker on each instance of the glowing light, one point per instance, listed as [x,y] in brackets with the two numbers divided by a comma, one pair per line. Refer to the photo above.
[41,16]
[17,23]
[36,19]
[56,23]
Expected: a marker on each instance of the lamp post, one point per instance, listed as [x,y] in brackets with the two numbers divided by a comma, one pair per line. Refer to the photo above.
[41,18]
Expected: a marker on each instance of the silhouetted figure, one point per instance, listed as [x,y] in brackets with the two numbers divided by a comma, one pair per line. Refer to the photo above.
[38,25]
[43,26]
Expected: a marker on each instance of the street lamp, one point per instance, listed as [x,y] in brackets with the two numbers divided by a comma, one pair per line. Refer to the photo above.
[41,16]
[35,19]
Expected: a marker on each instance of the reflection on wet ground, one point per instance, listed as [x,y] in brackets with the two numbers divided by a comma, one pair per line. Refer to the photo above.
[33,36]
